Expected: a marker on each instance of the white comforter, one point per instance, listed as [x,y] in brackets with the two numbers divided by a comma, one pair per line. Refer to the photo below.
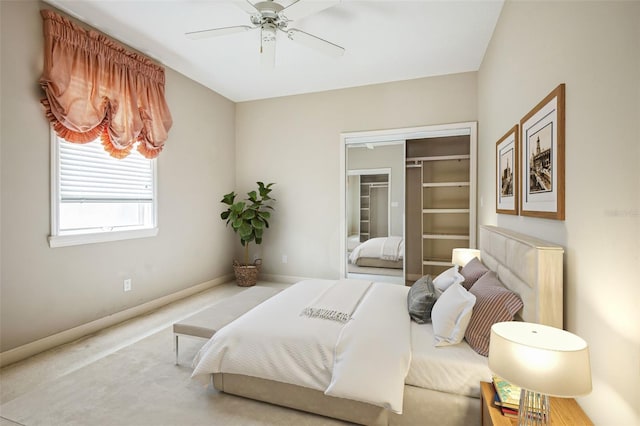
[385,248]
[365,359]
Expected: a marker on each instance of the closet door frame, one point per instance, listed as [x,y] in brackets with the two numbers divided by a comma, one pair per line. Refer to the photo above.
[403,134]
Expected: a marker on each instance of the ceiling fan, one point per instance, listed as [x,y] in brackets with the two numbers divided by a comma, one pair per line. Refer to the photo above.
[271,17]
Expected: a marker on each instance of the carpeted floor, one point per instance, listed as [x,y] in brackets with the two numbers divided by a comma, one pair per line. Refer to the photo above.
[138,384]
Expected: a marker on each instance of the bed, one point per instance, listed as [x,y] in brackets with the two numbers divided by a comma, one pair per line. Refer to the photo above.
[379,252]
[529,267]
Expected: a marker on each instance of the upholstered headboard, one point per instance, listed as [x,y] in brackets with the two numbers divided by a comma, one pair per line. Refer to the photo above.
[530,267]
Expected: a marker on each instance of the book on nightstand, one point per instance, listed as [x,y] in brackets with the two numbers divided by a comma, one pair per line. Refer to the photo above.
[507,394]
[506,411]
[507,397]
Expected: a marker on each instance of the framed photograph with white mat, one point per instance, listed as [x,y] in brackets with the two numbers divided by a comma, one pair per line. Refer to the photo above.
[542,158]
[507,172]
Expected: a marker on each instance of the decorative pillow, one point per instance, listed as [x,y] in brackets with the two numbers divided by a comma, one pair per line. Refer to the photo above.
[494,303]
[451,314]
[447,278]
[472,271]
[420,299]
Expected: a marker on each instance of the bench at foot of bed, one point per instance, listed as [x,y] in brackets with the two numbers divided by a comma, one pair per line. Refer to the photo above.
[208,321]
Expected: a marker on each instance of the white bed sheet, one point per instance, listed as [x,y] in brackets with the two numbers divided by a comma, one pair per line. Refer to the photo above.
[456,369]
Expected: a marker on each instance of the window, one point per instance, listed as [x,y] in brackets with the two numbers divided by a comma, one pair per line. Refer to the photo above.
[97,198]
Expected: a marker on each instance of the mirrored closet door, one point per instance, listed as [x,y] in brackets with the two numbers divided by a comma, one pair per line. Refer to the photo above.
[374,211]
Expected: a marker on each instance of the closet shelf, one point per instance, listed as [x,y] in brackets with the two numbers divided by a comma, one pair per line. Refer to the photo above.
[444,184]
[437,262]
[445,237]
[439,158]
[436,211]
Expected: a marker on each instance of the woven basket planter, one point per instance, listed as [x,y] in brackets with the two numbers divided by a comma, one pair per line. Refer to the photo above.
[247,275]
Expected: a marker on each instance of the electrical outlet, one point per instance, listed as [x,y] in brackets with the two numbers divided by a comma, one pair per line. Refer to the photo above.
[284,258]
[127,284]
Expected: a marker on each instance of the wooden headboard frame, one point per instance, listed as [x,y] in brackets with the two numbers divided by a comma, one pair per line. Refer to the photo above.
[530,267]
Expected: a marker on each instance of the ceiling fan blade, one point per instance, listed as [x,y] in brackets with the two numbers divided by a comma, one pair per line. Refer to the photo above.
[268,46]
[300,8]
[316,43]
[215,32]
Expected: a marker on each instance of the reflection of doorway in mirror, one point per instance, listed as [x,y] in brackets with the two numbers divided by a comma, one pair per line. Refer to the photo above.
[374,205]
[379,211]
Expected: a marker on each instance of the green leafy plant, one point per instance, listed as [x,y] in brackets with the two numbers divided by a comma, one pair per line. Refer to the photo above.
[249,217]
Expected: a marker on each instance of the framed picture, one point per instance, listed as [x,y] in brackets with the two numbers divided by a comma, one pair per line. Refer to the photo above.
[542,158]
[507,160]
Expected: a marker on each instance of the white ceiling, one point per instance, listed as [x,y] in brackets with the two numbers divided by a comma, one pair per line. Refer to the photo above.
[384,41]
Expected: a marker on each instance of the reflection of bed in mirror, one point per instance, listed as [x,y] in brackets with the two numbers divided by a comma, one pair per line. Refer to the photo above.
[380,255]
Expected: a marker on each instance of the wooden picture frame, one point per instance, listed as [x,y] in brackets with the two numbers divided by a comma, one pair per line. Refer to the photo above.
[507,160]
[542,158]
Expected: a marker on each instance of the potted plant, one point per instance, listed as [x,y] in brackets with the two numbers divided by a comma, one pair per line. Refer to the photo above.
[248,218]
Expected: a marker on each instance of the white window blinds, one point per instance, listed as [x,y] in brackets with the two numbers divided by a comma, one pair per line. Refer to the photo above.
[88,174]
[96,198]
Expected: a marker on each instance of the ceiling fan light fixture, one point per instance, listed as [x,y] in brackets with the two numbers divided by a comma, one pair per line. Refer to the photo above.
[268,45]
[268,33]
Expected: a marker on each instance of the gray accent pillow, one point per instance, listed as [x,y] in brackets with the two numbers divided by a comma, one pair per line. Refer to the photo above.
[420,299]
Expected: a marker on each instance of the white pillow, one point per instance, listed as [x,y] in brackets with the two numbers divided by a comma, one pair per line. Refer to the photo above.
[451,315]
[447,278]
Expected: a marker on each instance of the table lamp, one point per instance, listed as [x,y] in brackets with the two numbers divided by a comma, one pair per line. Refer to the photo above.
[543,361]
[462,256]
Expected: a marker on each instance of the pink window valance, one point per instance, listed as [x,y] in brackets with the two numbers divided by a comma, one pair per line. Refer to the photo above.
[95,87]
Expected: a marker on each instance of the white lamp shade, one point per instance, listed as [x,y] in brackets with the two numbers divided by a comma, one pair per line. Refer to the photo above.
[462,256]
[540,358]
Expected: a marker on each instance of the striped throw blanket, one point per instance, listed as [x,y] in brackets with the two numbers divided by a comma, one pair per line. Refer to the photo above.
[338,302]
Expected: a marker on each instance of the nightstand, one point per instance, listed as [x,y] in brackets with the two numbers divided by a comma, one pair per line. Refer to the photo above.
[564,411]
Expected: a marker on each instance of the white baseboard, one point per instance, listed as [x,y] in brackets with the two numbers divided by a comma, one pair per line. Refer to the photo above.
[285,279]
[67,336]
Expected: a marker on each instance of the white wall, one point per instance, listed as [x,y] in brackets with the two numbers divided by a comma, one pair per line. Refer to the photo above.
[45,290]
[295,142]
[593,47]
